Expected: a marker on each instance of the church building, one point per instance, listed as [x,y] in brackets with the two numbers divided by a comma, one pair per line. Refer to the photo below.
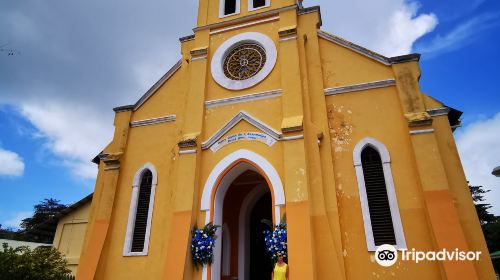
[266,119]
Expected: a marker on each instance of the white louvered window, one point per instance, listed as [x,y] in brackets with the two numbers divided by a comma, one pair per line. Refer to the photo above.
[379,205]
[140,213]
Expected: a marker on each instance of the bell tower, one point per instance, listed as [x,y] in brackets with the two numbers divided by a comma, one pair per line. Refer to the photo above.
[216,11]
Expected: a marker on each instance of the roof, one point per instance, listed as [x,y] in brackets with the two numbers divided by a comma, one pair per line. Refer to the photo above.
[16,243]
[495,255]
[366,52]
[74,206]
[152,90]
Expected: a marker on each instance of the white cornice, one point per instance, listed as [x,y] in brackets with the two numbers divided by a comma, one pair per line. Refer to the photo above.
[434,112]
[163,119]
[421,131]
[243,98]
[234,121]
[358,87]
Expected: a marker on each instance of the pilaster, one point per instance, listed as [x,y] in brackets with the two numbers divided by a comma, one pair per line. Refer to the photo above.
[441,211]
[103,202]
[178,259]
[298,207]
[326,222]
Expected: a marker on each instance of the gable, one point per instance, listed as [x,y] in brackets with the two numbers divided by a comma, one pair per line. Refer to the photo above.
[343,66]
[242,116]
[163,98]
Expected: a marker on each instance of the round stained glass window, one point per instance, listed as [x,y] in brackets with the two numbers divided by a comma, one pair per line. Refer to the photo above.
[244,61]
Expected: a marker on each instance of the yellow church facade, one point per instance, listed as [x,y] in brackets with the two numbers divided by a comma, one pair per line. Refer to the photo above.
[265,119]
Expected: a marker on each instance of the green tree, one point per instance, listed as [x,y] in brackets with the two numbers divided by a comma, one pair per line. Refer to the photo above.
[22,263]
[44,211]
[489,222]
[41,227]
[478,193]
[8,233]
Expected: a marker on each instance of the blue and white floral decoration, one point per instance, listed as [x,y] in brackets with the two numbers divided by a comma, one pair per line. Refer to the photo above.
[276,241]
[202,244]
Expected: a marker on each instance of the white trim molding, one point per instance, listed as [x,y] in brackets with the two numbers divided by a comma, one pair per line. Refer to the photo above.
[234,121]
[133,210]
[359,87]
[187,152]
[211,186]
[216,31]
[290,138]
[252,8]
[421,131]
[243,98]
[391,193]
[222,5]
[248,37]
[169,118]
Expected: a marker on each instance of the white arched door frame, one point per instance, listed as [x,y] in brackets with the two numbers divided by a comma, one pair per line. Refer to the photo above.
[217,184]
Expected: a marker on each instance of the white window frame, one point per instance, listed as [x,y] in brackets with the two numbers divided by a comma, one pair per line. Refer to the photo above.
[391,193]
[252,8]
[222,4]
[133,211]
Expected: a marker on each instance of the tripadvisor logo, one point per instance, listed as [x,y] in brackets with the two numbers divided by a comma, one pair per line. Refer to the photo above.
[386,255]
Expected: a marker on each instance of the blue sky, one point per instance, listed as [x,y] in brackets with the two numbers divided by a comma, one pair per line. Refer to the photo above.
[75,60]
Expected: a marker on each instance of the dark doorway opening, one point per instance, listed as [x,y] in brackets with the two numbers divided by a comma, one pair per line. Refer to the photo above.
[260,220]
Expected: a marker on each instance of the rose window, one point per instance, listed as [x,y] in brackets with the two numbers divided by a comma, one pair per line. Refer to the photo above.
[244,61]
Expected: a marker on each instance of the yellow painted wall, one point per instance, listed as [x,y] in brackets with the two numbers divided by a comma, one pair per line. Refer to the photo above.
[326,233]
[70,234]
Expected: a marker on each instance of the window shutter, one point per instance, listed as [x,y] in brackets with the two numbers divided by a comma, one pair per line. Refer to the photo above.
[141,216]
[378,202]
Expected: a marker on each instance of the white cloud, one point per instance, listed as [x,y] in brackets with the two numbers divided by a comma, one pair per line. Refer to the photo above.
[389,27]
[11,164]
[479,147]
[74,133]
[462,35]
[16,219]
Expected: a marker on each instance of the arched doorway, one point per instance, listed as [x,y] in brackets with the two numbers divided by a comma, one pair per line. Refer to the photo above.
[247,212]
[216,187]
